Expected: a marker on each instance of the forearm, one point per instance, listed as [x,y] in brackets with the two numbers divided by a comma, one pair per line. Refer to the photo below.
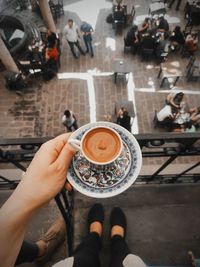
[14,218]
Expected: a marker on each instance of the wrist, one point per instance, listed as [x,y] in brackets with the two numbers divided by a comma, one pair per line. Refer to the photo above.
[16,211]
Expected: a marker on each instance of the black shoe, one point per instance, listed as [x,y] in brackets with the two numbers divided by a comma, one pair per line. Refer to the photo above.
[96,214]
[117,217]
[87,51]
[92,55]
[76,57]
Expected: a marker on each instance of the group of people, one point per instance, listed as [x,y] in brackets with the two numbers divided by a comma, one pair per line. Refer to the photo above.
[73,34]
[177,116]
[46,54]
[155,35]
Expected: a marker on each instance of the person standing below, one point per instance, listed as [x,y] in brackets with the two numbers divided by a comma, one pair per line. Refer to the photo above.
[69,120]
[87,31]
[71,32]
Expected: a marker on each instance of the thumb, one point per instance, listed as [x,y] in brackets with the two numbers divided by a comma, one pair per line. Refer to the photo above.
[66,156]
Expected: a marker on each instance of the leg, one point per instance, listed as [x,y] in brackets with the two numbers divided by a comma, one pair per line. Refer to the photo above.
[87,253]
[91,48]
[119,251]
[75,125]
[86,43]
[79,48]
[171,3]
[176,80]
[28,253]
[178,4]
[71,44]
[115,77]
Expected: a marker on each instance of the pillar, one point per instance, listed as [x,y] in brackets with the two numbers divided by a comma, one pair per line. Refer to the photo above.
[6,58]
[47,16]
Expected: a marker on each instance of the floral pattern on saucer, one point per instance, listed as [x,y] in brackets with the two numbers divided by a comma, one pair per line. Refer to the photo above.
[103,177]
[113,180]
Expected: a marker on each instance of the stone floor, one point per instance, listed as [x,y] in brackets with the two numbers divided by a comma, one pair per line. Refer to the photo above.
[88,89]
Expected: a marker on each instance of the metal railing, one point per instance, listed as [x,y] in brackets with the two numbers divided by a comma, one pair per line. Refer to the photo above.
[163,145]
[19,152]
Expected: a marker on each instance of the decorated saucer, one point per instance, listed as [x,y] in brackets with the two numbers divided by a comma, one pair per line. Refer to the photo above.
[110,180]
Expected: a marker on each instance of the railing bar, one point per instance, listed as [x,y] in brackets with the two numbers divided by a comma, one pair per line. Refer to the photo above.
[67,221]
[7,180]
[165,164]
[17,164]
[187,170]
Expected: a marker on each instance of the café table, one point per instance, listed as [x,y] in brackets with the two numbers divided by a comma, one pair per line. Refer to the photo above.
[120,66]
[170,70]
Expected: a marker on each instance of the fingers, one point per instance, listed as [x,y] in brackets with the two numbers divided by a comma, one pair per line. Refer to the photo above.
[50,150]
[66,156]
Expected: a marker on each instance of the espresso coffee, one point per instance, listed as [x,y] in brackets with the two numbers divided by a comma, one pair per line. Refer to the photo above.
[101,145]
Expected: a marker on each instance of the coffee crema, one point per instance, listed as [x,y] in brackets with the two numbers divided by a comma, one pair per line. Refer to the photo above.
[101,145]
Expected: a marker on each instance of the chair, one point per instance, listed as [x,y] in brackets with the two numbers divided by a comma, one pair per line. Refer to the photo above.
[61,7]
[192,69]
[146,54]
[118,21]
[193,74]
[131,16]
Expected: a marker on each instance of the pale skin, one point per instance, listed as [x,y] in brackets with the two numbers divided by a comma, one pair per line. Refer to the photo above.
[42,181]
[44,178]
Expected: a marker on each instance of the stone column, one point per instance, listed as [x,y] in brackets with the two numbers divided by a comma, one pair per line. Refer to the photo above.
[6,58]
[47,16]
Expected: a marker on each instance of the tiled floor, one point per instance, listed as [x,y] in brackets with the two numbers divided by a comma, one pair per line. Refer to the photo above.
[38,112]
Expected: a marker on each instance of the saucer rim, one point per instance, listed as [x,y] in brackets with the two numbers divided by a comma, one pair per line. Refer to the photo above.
[136,170]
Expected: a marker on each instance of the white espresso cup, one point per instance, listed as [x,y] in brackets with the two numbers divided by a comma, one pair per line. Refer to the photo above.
[100,145]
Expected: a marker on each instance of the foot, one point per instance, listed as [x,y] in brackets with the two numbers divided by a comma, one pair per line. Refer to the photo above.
[95,219]
[51,240]
[92,55]
[118,222]
[87,51]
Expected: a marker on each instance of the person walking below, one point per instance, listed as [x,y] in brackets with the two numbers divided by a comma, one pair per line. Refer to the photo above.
[71,32]
[69,121]
[87,31]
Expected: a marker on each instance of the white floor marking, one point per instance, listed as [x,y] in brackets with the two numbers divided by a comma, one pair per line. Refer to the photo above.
[91,90]
[88,77]
[131,97]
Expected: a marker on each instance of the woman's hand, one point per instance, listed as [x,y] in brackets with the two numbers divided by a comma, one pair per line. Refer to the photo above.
[47,172]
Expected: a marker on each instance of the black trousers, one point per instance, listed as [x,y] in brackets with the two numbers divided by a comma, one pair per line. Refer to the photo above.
[77,44]
[74,127]
[28,253]
[86,254]
[177,5]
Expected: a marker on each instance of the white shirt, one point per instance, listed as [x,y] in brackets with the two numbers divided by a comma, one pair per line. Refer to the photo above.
[68,121]
[164,113]
[71,34]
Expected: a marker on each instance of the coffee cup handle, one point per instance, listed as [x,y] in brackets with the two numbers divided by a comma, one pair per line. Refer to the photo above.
[75,143]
